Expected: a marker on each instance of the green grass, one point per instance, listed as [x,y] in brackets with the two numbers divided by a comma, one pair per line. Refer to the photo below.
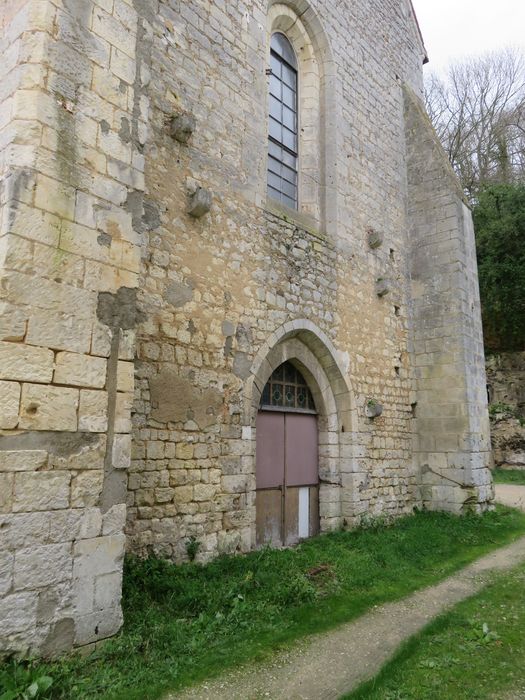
[185,623]
[476,651]
[509,476]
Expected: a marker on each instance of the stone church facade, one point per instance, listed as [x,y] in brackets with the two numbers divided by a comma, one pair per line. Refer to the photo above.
[155,276]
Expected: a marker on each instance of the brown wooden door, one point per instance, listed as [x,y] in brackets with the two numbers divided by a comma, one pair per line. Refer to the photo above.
[287,477]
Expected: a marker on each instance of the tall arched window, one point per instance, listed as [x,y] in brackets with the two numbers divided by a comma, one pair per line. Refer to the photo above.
[283,131]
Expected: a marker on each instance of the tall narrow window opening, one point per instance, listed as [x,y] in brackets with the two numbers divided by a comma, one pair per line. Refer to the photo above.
[283,131]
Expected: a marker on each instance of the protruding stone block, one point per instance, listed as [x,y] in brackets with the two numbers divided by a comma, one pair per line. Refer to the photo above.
[382,287]
[373,409]
[375,238]
[182,127]
[200,203]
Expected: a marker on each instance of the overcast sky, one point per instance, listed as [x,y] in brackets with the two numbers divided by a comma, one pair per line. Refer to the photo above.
[454,29]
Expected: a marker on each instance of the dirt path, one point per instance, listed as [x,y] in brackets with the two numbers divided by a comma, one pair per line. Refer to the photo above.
[326,666]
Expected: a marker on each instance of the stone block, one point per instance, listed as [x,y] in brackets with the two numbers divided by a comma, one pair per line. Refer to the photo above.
[80,370]
[6,572]
[383,287]
[22,460]
[84,451]
[55,197]
[95,626]
[183,494]
[25,363]
[108,590]
[10,403]
[60,331]
[235,484]
[228,542]
[155,450]
[93,411]
[100,555]
[184,450]
[18,613]
[114,520]
[204,492]
[200,203]
[86,488]
[91,524]
[121,452]
[23,530]
[101,340]
[60,638]
[42,566]
[374,238]
[41,491]
[123,413]
[6,492]
[126,376]
[48,408]
[13,323]
[182,127]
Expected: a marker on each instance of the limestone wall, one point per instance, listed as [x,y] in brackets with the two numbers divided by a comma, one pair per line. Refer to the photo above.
[69,264]
[452,442]
[215,290]
[137,331]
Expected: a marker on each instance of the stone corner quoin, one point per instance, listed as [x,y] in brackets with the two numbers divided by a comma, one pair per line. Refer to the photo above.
[151,288]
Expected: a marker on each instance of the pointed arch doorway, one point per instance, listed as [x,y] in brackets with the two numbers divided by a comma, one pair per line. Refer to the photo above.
[287,460]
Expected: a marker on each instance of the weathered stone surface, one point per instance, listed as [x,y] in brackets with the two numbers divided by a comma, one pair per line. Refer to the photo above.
[98,625]
[36,567]
[200,203]
[93,411]
[41,491]
[22,460]
[6,492]
[22,362]
[7,560]
[86,488]
[18,614]
[107,591]
[10,402]
[121,454]
[80,370]
[60,638]
[182,127]
[48,408]
[202,406]
[125,376]
[114,520]
[98,555]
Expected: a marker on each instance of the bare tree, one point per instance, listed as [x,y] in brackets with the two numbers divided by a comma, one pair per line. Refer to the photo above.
[478,111]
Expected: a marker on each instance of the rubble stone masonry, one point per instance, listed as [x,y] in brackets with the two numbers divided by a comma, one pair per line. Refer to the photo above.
[137,329]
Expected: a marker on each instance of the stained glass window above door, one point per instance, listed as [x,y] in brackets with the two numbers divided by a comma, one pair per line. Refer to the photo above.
[287,390]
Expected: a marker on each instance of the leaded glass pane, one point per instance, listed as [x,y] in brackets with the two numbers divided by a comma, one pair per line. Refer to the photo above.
[289,97]
[276,130]
[292,203]
[282,48]
[287,389]
[276,88]
[283,126]
[289,76]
